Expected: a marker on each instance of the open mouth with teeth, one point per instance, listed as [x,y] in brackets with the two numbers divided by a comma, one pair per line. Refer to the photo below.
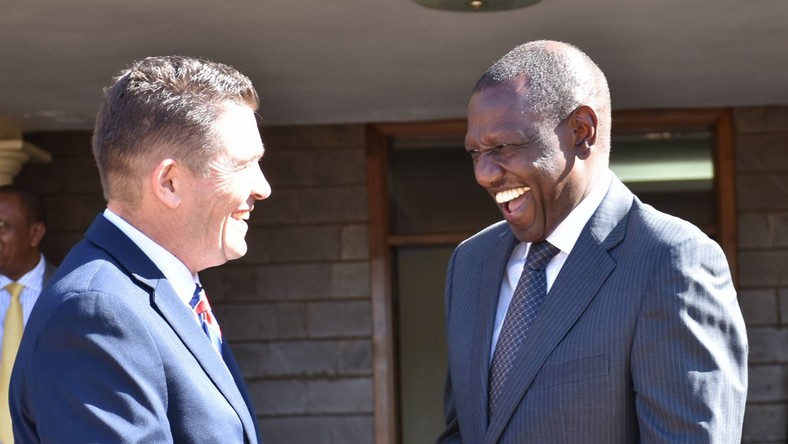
[241,215]
[513,199]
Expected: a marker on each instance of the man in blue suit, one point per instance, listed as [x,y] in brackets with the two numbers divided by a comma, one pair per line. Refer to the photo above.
[630,330]
[122,345]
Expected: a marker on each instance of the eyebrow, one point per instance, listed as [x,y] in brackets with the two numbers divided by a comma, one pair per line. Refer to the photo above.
[253,158]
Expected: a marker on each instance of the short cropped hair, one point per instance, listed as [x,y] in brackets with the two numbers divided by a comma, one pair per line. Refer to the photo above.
[31,203]
[560,78]
[163,107]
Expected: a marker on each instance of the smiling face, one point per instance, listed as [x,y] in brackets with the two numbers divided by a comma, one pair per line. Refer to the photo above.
[20,238]
[218,206]
[527,164]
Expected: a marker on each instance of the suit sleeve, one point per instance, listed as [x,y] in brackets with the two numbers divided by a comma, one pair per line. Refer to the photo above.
[689,356]
[95,376]
[451,433]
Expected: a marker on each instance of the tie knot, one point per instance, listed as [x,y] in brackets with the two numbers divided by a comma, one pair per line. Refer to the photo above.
[15,288]
[540,255]
[196,296]
[199,301]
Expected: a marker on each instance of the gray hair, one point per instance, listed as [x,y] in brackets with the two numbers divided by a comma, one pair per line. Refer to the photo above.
[560,77]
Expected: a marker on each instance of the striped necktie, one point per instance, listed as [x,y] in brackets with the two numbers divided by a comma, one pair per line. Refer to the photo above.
[202,309]
[12,335]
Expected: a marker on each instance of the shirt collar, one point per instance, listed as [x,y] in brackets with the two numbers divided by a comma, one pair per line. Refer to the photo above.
[568,231]
[175,271]
[31,280]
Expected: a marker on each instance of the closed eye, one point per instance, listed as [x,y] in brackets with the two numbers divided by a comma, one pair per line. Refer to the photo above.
[504,149]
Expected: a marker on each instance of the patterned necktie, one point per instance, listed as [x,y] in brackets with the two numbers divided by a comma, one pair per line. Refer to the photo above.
[210,326]
[527,300]
[12,335]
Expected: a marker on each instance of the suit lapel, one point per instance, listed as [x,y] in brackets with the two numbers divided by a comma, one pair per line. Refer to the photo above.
[492,276]
[167,303]
[182,321]
[583,273]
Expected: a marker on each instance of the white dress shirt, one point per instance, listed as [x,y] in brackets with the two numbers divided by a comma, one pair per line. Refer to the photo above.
[563,237]
[33,281]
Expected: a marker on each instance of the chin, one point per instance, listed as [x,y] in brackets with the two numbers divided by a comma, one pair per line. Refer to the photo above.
[235,252]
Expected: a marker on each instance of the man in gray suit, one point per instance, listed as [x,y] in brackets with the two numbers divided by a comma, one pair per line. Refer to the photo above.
[639,337]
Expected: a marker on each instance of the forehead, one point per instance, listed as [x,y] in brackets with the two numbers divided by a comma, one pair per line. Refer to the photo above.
[236,130]
[11,207]
[499,109]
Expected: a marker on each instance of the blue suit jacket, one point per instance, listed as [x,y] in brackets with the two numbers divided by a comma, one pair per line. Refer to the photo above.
[640,338]
[111,354]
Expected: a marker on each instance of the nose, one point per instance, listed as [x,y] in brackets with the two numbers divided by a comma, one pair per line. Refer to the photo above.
[488,171]
[261,189]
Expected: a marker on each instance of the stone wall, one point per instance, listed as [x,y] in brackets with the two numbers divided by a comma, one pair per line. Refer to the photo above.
[762,204]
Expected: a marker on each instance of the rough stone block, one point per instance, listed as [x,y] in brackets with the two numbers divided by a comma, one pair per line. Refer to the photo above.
[762,152]
[759,307]
[338,319]
[765,423]
[261,321]
[784,307]
[57,245]
[763,230]
[228,283]
[761,119]
[350,279]
[44,178]
[278,397]
[280,208]
[293,244]
[251,357]
[763,268]
[356,429]
[333,204]
[73,214]
[63,144]
[289,282]
[355,242]
[783,301]
[312,396]
[316,168]
[79,175]
[340,167]
[768,345]
[316,358]
[762,192]
[768,383]
[343,395]
[295,282]
[313,137]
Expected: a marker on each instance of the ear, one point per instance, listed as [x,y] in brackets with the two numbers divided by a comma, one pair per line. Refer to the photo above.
[584,130]
[37,231]
[165,182]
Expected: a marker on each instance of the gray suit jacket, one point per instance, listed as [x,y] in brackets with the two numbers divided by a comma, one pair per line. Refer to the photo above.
[640,338]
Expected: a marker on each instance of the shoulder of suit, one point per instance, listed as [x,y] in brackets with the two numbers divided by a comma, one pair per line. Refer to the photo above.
[492,233]
[663,226]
